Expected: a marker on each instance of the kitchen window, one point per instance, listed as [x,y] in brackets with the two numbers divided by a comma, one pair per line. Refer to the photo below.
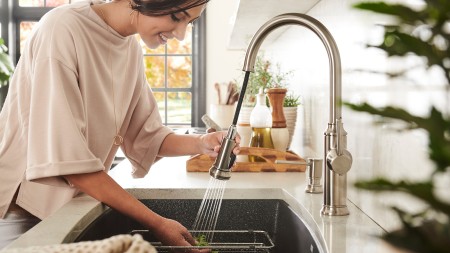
[175,72]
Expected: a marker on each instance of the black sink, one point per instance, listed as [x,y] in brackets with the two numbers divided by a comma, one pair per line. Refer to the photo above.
[274,216]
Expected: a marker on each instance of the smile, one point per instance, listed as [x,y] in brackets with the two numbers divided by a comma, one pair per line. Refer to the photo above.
[163,38]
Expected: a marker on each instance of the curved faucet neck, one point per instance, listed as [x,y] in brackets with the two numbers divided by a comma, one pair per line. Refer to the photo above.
[325,36]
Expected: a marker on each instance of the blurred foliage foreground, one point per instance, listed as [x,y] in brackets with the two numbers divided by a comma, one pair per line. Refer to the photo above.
[424,33]
[6,66]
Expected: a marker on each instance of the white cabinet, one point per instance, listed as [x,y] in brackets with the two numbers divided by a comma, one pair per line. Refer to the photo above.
[252,14]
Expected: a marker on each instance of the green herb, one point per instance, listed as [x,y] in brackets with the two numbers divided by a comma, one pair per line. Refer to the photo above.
[201,241]
[265,75]
[291,101]
[6,66]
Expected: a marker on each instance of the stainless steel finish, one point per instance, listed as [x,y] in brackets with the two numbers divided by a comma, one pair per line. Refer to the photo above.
[338,159]
[210,123]
[314,172]
[221,169]
[228,241]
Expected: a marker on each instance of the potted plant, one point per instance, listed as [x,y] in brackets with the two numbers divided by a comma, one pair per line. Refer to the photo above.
[290,108]
[268,76]
[6,70]
[264,76]
[429,230]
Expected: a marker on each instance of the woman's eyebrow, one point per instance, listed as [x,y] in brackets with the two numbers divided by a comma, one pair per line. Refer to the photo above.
[186,13]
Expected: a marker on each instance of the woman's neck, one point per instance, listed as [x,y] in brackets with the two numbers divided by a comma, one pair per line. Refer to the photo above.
[118,15]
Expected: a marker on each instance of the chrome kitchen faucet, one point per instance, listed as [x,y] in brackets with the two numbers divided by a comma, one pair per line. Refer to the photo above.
[337,159]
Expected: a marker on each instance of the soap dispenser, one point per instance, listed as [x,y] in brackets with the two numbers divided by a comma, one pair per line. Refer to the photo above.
[261,123]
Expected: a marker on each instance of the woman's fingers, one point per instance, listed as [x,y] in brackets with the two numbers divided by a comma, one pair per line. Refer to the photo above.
[189,238]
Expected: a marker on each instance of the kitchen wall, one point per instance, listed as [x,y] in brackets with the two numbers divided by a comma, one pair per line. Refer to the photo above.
[223,65]
[377,149]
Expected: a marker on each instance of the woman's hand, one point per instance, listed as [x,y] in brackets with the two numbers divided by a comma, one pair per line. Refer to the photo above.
[172,233]
[212,140]
[193,144]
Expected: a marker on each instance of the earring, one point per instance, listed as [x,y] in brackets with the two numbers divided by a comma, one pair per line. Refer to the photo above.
[132,11]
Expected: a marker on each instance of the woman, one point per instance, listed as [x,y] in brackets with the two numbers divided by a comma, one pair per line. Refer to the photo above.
[78,94]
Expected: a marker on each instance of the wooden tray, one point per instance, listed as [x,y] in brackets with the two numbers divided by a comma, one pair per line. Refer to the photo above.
[202,163]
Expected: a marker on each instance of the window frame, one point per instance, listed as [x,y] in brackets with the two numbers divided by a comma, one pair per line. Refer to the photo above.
[12,14]
[199,71]
[4,21]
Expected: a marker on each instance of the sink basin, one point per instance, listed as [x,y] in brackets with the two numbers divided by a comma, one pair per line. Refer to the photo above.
[269,210]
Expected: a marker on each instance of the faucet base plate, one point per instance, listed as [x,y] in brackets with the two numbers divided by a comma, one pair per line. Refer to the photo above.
[314,189]
[334,210]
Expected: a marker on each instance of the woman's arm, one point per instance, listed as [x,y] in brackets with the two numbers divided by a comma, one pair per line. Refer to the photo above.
[102,187]
[180,144]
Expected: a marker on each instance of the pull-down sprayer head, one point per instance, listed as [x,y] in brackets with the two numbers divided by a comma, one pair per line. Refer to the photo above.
[221,168]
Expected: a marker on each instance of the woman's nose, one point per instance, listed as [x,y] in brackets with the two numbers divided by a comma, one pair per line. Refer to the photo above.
[180,31]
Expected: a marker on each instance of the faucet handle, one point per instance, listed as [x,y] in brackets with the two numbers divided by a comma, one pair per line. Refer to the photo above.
[339,163]
[338,158]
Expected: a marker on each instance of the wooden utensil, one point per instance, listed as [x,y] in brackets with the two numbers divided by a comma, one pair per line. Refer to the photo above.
[217,87]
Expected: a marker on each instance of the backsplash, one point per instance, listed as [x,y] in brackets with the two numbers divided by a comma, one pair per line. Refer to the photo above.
[377,149]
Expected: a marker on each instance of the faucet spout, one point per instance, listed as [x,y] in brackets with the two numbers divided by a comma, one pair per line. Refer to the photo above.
[338,159]
[322,32]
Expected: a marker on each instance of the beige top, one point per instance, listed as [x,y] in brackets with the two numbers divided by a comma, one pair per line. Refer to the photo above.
[58,118]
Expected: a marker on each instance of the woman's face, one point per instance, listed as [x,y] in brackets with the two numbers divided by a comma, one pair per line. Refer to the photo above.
[156,31]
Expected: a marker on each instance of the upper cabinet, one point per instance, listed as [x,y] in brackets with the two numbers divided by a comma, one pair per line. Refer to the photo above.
[252,14]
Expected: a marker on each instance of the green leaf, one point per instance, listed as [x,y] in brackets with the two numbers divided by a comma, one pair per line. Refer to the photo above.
[3,48]
[201,241]
[423,33]
[420,234]
[437,127]
[389,111]
[404,13]
[291,101]
[5,64]
[400,44]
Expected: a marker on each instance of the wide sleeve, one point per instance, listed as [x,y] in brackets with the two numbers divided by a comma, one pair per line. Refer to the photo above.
[145,133]
[57,123]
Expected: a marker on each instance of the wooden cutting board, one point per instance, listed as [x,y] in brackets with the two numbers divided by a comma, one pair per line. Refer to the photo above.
[202,163]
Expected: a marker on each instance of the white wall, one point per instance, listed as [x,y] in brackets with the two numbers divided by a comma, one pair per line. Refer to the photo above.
[223,65]
[377,150]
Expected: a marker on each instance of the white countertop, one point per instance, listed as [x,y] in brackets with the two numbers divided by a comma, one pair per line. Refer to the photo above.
[353,233]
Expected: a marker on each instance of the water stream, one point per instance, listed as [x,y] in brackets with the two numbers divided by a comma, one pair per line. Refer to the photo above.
[208,213]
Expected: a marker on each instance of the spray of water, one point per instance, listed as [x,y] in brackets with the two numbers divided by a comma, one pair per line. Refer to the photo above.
[209,208]
[208,213]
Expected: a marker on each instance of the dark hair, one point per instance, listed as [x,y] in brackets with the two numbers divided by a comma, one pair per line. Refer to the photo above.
[164,7]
